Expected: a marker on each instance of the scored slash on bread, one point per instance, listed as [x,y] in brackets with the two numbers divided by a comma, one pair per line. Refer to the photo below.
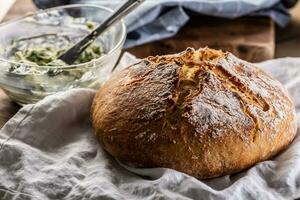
[202,112]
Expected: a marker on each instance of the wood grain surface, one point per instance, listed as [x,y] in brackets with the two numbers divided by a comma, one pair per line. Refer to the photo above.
[288,38]
[249,38]
[7,108]
[21,7]
[287,44]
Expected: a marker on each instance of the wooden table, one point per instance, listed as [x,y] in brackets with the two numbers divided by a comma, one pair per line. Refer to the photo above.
[288,38]
[287,44]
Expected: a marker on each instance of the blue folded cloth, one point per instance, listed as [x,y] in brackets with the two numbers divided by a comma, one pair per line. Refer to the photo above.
[160,19]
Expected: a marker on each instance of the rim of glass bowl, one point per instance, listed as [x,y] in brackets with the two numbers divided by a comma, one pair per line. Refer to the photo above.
[117,46]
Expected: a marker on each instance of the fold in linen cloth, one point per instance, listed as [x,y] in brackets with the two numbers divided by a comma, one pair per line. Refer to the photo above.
[159,19]
[48,151]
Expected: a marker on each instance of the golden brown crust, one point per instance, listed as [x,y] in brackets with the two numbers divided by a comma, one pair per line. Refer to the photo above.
[205,113]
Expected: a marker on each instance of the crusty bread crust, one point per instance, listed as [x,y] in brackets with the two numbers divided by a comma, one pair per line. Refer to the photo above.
[205,113]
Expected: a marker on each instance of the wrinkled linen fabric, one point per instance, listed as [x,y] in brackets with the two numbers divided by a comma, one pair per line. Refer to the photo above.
[159,19]
[48,151]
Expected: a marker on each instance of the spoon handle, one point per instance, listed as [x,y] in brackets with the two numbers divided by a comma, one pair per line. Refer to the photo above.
[73,53]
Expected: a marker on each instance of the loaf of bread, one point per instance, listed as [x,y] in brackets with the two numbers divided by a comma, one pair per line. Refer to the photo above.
[202,112]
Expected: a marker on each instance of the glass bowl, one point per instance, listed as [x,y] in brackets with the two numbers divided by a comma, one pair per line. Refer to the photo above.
[28,83]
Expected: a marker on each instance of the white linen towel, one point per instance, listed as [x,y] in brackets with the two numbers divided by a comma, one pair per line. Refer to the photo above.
[48,151]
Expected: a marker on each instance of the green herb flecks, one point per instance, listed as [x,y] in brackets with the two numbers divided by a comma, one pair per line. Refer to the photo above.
[47,56]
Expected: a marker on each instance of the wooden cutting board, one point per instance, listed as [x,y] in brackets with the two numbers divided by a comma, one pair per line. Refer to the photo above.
[7,108]
[250,38]
[4,7]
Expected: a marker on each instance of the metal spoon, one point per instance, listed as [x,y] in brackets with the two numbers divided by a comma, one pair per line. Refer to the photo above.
[73,53]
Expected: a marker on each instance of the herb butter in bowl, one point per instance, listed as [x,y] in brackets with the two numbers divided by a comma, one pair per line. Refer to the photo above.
[30,46]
